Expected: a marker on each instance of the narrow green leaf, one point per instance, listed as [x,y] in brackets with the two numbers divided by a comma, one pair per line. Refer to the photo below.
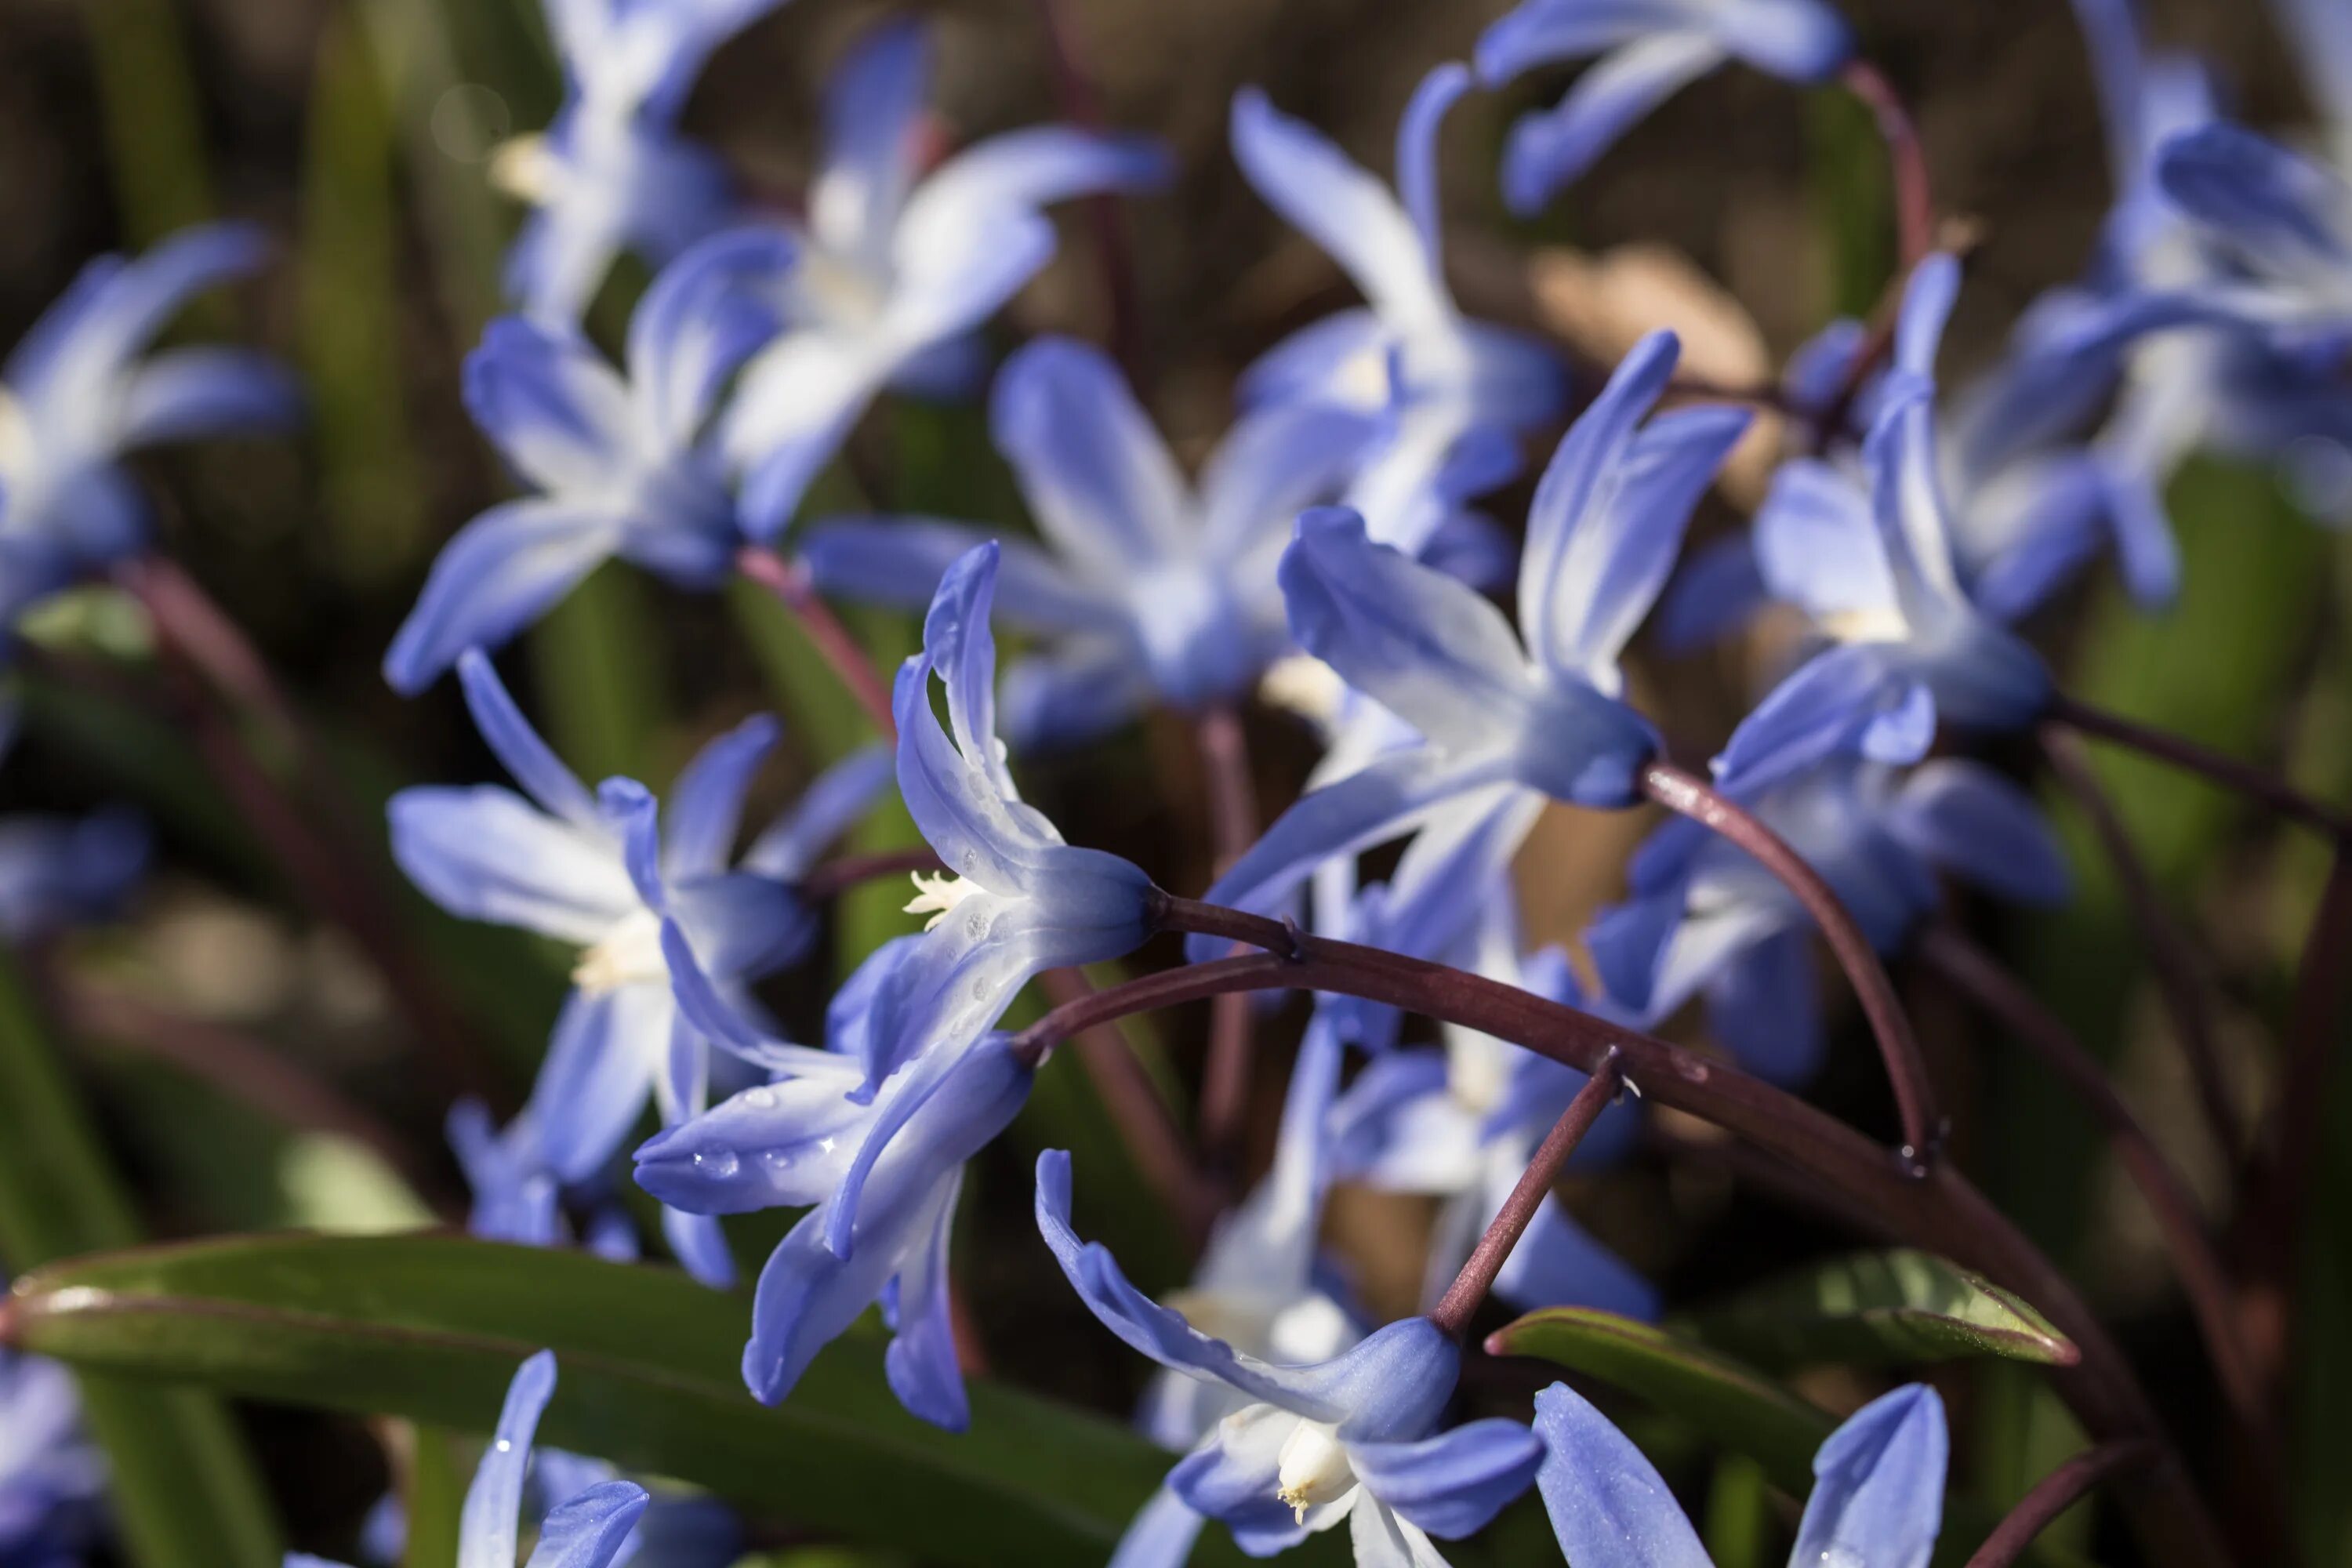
[595,662]
[1734,1405]
[147,102]
[1881,1308]
[1738,1513]
[433,1496]
[429,1327]
[184,1490]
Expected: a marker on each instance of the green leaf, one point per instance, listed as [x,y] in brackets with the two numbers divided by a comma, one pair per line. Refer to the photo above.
[1734,1405]
[429,1327]
[595,663]
[1881,1308]
[432,1496]
[184,1488]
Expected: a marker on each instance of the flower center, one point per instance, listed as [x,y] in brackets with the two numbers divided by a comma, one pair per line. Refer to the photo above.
[1313,1468]
[629,955]
[938,894]
[527,169]
[1305,685]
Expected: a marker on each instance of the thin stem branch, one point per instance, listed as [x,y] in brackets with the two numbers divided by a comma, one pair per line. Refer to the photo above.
[1915,196]
[1978,976]
[1907,1068]
[1153,1138]
[2172,957]
[1232,820]
[199,632]
[1939,1210]
[1453,1309]
[2228,772]
[2052,1495]
[789,582]
[838,875]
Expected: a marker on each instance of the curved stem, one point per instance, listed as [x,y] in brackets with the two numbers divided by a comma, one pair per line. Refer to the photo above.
[837,876]
[1915,196]
[1972,972]
[1939,1210]
[1907,1068]
[2175,964]
[2052,1495]
[1233,817]
[1452,1310]
[2174,750]
[789,582]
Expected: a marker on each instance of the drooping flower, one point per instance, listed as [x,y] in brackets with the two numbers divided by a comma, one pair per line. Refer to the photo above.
[894,272]
[80,392]
[1877,1499]
[1152,588]
[1706,920]
[618,459]
[51,1475]
[588,1530]
[611,174]
[1646,50]
[1455,392]
[1506,718]
[1354,1438]
[605,871]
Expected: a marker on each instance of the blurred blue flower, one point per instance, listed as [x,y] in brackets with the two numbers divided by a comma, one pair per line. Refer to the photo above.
[591,1529]
[2319,33]
[1707,919]
[51,1475]
[604,872]
[1506,718]
[1877,1499]
[1152,588]
[56,872]
[1353,1438]
[618,462]
[611,173]
[894,273]
[1646,50]
[1453,392]
[77,396]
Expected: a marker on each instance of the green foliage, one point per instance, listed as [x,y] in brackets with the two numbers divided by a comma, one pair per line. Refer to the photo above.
[1881,1308]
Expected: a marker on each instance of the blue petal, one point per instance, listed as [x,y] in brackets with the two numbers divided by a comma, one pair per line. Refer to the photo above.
[588,1530]
[1549,150]
[780,1145]
[206,391]
[1853,698]
[899,561]
[1096,475]
[116,308]
[1321,362]
[1454,1484]
[2284,212]
[1976,824]
[2321,33]
[990,193]
[2050,518]
[632,817]
[1161,1535]
[1421,645]
[1818,545]
[700,1245]
[1764,1004]
[1546,32]
[1557,1264]
[599,1070]
[1344,210]
[702,316]
[1367,808]
[705,806]
[1628,942]
[1717,589]
[873,111]
[487,1527]
[1275,462]
[530,761]
[484,854]
[1609,1506]
[497,574]
[555,409]
[1417,129]
[1055,702]
[1878,1493]
[789,846]
[921,1364]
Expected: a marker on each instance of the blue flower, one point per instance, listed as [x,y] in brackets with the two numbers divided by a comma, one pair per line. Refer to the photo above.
[51,1476]
[618,462]
[1878,1489]
[56,871]
[1455,392]
[611,174]
[588,1530]
[601,871]
[1354,1438]
[2320,34]
[895,273]
[1257,1289]
[1506,718]
[77,396]
[1707,919]
[1647,49]
[1152,588]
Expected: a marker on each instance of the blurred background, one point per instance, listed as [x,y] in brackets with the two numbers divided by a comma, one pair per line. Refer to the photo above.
[360,133]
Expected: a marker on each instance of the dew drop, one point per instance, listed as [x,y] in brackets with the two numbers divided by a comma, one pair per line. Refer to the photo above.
[975,924]
[761,1098]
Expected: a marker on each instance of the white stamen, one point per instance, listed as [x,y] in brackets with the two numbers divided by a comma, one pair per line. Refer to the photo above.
[630,953]
[1306,685]
[526,169]
[938,894]
[1312,1469]
[1881,624]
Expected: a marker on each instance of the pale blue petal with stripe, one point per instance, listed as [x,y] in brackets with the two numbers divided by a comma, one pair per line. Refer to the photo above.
[1609,1506]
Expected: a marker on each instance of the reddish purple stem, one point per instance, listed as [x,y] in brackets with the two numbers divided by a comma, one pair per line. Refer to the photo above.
[789,582]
